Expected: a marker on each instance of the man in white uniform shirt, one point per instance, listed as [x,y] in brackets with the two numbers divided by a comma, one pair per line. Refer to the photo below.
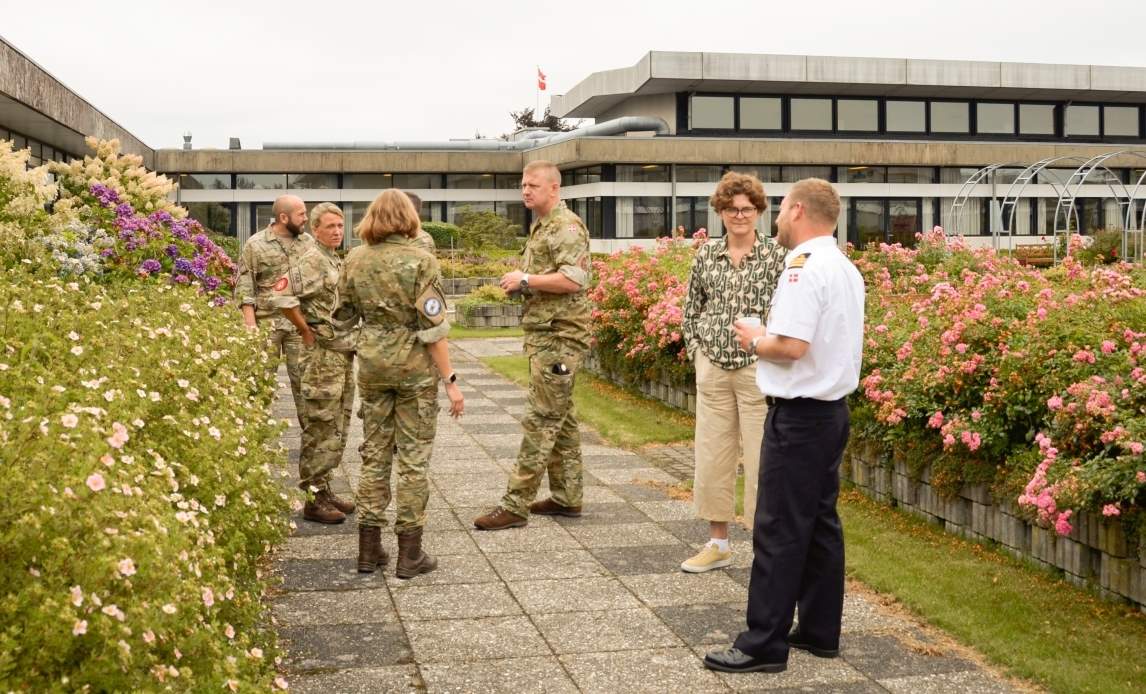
[809,361]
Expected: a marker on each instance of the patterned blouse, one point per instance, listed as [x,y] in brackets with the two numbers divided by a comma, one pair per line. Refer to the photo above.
[719,293]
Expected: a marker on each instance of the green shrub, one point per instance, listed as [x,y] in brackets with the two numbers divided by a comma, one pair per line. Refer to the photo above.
[445,234]
[475,265]
[479,229]
[488,294]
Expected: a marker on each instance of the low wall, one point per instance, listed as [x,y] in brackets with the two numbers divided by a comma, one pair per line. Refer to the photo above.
[1096,554]
[674,395]
[489,315]
[455,286]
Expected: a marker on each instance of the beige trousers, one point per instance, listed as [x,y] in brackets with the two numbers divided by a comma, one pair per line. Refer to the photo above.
[730,413]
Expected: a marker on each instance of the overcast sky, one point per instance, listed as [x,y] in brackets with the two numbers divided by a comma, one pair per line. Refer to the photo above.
[335,70]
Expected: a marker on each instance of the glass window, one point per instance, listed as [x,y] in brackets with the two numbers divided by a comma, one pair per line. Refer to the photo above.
[417,181]
[646,173]
[368,181]
[1081,120]
[862,174]
[1054,176]
[213,216]
[589,174]
[354,212]
[857,115]
[698,174]
[1036,119]
[867,222]
[949,117]
[589,210]
[910,174]
[313,181]
[642,218]
[19,142]
[512,181]
[514,212]
[261,181]
[1120,121]
[760,113]
[906,116]
[263,216]
[811,114]
[470,181]
[710,112]
[455,209]
[903,222]
[791,174]
[995,119]
[205,182]
[951,174]
[763,172]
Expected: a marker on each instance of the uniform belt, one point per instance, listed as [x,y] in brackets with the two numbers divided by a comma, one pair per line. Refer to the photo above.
[773,401]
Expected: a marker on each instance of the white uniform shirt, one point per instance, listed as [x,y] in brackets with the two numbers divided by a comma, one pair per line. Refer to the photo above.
[820,300]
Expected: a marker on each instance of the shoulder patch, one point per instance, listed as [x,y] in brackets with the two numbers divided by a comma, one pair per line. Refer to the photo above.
[798,261]
[281,284]
[432,305]
[574,229]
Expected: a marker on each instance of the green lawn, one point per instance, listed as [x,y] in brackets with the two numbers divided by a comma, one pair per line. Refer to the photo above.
[1037,626]
[461,332]
[621,417]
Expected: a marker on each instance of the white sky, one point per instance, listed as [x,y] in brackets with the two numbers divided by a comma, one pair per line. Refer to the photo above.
[337,70]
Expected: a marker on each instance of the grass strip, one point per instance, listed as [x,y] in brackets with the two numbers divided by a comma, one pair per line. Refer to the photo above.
[461,332]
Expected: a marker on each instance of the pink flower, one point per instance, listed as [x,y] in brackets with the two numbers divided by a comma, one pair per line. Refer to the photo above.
[1108,346]
[976,415]
[77,596]
[961,348]
[208,596]
[1141,476]
[95,482]
[229,631]
[69,421]
[1055,403]
[971,440]
[936,420]
[1111,510]
[118,436]
[1135,448]
[126,567]
[1084,356]
[1062,523]
[80,627]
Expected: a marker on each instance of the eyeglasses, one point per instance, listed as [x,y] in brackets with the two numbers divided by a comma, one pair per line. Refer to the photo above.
[740,211]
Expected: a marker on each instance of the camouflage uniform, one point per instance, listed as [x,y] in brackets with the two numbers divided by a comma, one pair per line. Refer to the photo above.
[556,332]
[426,242]
[326,367]
[264,260]
[396,289]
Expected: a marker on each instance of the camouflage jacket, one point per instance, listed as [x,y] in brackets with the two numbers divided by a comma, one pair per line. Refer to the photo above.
[395,288]
[557,323]
[312,287]
[263,262]
[426,242]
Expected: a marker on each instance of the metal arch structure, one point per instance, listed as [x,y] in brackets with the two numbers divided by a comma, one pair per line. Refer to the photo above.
[1011,200]
[1067,203]
[959,203]
[1134,228]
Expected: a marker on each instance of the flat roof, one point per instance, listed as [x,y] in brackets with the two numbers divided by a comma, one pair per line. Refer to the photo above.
[661,72]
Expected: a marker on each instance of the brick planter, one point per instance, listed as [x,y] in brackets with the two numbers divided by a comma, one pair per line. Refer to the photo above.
[456,286]
[489,315]
[682,397]
[1096,554]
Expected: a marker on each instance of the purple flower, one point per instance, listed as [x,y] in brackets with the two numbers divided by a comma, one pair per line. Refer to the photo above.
[124,209]
[172,251]
[211,283]
[183,266]
[107,253]
[201,241]
[181,279]
[179,229]
[160,217]
[106,196]
[219,301]
[149,266]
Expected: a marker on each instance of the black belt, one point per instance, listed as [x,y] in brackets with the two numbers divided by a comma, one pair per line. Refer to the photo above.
[773,401]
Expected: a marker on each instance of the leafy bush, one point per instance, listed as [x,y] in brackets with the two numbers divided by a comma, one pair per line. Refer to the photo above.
[479,229]
[488,294]
[475,265]
[445,234]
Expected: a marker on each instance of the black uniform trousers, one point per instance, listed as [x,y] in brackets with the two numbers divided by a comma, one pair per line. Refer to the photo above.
[797,538]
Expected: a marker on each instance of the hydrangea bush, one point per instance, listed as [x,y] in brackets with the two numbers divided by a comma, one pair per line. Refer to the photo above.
[136,455]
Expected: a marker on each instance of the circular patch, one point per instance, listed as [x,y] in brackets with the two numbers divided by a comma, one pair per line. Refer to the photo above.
[281,284]
[432,307]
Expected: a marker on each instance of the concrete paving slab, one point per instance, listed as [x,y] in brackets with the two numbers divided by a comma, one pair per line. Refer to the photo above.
[612,630]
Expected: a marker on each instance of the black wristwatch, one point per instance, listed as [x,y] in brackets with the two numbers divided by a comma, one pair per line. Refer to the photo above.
[452,378]
[525,281]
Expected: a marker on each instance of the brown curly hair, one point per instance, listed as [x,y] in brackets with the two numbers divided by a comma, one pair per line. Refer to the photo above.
[734,183]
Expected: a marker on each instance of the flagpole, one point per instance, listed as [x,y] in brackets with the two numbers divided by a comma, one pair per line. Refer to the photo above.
[537,96]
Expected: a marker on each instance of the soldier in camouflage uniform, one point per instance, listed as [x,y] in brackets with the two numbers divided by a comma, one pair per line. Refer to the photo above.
[423,240]
[307,299]
[554,279]
[265,259]
[395,288]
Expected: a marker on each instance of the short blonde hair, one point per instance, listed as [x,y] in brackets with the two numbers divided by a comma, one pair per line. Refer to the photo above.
[323,208]
[390,213]
[819,198]
[733,184]
[547,166]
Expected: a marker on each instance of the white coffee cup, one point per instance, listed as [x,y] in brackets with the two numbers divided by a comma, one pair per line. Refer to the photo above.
[748,322]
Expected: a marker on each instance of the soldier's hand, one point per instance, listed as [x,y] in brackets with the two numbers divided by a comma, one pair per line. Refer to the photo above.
[457,401]
[308,338]
[511,281]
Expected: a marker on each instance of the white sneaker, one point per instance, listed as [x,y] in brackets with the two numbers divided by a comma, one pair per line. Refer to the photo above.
[710,557]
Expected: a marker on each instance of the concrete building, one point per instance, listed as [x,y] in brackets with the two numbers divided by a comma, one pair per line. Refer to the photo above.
[899,137]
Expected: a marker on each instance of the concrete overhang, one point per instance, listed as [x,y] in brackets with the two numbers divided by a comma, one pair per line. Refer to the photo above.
[38,105]
[669,72]
[311,161]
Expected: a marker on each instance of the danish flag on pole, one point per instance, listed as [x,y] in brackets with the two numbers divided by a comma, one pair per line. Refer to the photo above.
[540,79]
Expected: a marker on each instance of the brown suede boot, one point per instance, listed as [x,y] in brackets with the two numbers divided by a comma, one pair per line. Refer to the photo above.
[499,519]
[347,507]
[319,510]
[549,507]
[371,554]
[411,559]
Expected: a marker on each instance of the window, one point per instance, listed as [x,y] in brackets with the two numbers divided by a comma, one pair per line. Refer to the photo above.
[760,114]
[1120,121]
[711,112]
[589,210]
[367,181]
[791,174]
[646,173]
[315,181]
[867,222]
[642,218]
[949,117]
[1081,121]
[205,182]
[213,216]
[698,174]
[509,181]
[263,216]
[1036,119]
[862,174]
[455,209]
[582,176]
[417,181]
[995,119]
[764,173]
[857,115]
[470,181]
[261,181]
[950,174]
[903,222]
[811,114]
[910,174]
[694,213]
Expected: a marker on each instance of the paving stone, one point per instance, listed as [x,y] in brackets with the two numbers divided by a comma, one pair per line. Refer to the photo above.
[662,670]
[448,542]
[696,532]
[805,673]
[667,510]
[530,566]
[367,680]
[467,497]
[454,602]
[538,675]
[329,647]
[326,574]
[742,576]
[306,528]
[620,535]
[457,640]
[649,559]
[613,462]
[967,682]
[334,607]
[705,624]
[861,615]
[489,441]
[612,630]
[452,568]
[885,657]
[605,514]
[601,450]
[663,590]
[638,492]
[320,547]
[633,475]
[486,419]
[573,595]
[598,494]
[533,537]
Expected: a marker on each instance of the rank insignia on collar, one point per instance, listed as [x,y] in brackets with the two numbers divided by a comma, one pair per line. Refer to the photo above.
[798,261]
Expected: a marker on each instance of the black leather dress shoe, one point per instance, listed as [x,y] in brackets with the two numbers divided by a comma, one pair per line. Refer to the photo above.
[735,660]
[796,640]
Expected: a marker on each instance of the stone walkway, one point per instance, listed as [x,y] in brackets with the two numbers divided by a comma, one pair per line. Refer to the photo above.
[596,604]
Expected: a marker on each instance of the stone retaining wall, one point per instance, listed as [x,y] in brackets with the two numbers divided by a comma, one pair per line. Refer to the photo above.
[674,395]
[489,315]
[456,286]
[1096,554]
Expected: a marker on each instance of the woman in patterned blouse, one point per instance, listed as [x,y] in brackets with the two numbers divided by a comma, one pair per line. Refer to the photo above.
[731,278]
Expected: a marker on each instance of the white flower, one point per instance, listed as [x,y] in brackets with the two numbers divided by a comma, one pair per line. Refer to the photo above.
[149,636]
[73,336]
[95,482]
[69,421]
[77,350]
[208,596]
[169,608]
[182,383]
[80,627]
[77,596]
[126,567]
[229,631]
[113,611]
[215,434]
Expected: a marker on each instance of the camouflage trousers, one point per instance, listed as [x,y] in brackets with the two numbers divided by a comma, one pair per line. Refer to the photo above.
[283,343]
[328,393]
[407,417]
[551,442]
